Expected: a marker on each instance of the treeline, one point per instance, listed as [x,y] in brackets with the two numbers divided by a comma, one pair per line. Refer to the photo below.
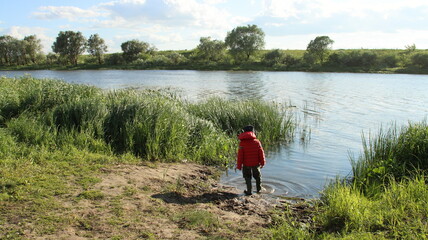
[241,49]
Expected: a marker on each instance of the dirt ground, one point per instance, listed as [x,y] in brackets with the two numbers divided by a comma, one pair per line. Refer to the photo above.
[163,201]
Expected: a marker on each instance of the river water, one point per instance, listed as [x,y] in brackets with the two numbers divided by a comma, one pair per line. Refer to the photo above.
[336,107]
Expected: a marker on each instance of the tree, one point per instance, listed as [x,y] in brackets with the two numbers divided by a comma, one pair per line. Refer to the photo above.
[33,47]
[318,48]
[210,50]
[17,52]
[133,48]
[245,40]
[96,47]
[6,49]
[69,45]
[410,48]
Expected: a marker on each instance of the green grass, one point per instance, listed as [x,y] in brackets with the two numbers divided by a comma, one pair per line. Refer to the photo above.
[273,122]
[56,137]
[386,199]
[152,125]
[393,153]
[198,219]
[343,212]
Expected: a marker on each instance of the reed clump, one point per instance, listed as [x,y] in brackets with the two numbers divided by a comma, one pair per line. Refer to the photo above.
[152,125]
[394,153]
[18,95]
[272,121]
[385,199]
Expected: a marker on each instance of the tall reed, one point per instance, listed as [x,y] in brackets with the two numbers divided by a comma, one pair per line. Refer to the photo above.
[394,152]
[154,125]
[272,121]
[34,95]
[85,114]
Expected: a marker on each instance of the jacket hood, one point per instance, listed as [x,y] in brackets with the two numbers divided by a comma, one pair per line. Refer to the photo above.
[247,136]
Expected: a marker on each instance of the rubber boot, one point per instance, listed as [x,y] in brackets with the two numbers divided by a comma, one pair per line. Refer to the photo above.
[248,182]
[258,185]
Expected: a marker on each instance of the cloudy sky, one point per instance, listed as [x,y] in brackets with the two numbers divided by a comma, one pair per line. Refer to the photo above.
[178,24]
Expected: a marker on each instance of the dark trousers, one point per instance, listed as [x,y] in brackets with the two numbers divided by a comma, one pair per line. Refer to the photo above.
[247,172]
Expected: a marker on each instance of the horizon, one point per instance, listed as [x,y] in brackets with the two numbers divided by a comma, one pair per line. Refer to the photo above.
[179,24]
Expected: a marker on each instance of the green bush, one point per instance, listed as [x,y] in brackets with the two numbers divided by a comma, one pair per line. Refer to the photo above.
[420,60]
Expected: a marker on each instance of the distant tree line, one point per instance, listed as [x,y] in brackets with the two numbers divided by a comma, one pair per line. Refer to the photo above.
[243,46]
[20,52]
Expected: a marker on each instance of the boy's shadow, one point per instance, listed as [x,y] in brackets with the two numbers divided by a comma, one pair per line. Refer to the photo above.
[175,197]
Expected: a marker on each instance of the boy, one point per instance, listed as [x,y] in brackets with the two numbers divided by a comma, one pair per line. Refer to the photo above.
[251,158]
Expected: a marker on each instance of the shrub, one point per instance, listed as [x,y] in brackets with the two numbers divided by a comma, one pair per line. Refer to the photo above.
[389,61]
[114,59]
[420,60]
[273,57]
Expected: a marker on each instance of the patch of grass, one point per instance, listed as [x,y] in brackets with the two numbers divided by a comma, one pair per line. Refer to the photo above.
[395,153]
[92,195]
[147,235]
[50,224]
[129,191]
[345,213]
[88,181]
[178,186]
[146,188]
[198,219]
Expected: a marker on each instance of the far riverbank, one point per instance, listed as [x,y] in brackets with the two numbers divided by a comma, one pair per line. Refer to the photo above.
[220,67]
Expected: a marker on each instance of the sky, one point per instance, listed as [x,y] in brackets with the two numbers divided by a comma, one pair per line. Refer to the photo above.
[179,24]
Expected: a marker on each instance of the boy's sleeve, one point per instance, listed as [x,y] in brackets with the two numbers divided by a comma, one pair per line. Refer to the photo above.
[240,157]
[262,160]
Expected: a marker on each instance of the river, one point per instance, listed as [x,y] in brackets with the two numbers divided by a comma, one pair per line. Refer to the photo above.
[336,107]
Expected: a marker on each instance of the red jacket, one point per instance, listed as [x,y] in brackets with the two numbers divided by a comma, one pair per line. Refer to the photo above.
[250,151]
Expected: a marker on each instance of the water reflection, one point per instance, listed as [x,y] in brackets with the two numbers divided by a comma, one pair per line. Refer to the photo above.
[245,85]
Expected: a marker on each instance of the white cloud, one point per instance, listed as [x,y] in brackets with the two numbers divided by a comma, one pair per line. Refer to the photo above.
[66,12]
[213,2]
[377,39]
[355,40]
[309,9]
[281,8]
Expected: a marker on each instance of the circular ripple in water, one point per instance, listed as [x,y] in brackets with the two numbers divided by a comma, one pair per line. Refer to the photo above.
[274,186]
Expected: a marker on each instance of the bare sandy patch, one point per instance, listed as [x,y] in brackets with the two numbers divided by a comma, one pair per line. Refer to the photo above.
[163,201]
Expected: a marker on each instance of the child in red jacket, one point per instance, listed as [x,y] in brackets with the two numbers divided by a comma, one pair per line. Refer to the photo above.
[251,158]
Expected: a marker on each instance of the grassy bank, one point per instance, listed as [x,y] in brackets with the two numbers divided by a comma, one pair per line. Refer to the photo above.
[224,67]
[152,125]
[57,139]
[79,161]
[386,199]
